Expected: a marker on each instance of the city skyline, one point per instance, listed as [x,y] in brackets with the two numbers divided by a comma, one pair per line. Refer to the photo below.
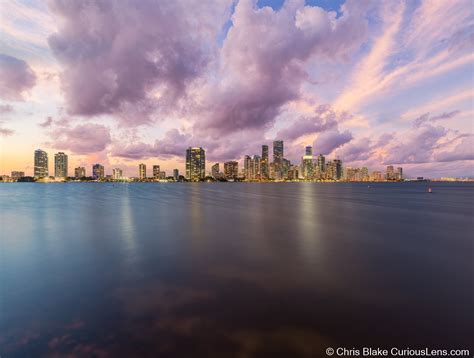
[371,83]
[254,168]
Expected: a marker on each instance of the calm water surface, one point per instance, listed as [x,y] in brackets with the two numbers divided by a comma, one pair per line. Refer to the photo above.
[234,269]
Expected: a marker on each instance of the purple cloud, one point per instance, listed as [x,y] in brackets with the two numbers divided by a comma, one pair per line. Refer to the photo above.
[82,139]
[427,118]
[463,151]
[263,60]
[16,77]
[116,54]
[173,143]
[324,119]
[331,140]
[47,122]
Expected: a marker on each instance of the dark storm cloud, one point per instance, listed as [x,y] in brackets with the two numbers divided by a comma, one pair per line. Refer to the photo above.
[16,77]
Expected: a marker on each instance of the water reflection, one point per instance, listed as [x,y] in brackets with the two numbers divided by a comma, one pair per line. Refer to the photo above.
[232,269]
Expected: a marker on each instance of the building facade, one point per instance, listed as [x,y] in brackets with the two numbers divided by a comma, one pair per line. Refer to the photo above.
[41,164]
[117,174]
[278,155]
[264,167]
[231,170]
[215,171]
[142,171]
[17,175]
[98,171]
[176,174]
[195,163]
[79,172]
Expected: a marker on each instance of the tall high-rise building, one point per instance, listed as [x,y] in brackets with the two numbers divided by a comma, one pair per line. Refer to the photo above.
[257,167]
[195,164]
[215,171]
[364,174]
[278,158]
[231,170]
[338,165]
[60,165]
[264,167]
[176,174]
[399,173]
[307,167]
[390,173]
[248,167]
[330,170]
[98,171]
[156,172]
[321,163]
[41,164]
[117,173]
[142,171]
[79,172]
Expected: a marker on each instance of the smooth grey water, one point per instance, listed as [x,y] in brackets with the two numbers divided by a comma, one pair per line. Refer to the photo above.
[234,269]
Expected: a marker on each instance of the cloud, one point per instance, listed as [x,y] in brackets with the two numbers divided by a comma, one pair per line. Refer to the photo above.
[6,132]
[173,143]
[425,118]
[263,59]
[324,118]
[331,140]
[6,108]
[16,77]
[463,151]
[47,122]
[82,139]
[129,58]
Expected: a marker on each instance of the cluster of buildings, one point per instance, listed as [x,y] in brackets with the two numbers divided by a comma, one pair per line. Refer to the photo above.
[256,167]
[259,168]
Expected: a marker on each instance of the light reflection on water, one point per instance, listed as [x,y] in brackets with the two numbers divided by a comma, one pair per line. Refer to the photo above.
[233,269]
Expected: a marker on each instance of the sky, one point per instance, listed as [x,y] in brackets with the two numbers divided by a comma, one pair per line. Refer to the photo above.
[373,83]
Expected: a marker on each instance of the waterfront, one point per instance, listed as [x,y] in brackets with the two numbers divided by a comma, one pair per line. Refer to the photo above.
[234,269]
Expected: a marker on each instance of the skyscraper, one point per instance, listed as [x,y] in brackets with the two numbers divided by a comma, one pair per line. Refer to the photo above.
[231,170]
[264,168]
[278,158]
[307,167]
[142,171]
[41,164]
[399,174]
[390,173]
[176,174]
[321,163]
[156,172]
[256,169]
[215,171]
[195,164]
[248,167]
[98,171]
[338,164]
[79,172]
[60,165]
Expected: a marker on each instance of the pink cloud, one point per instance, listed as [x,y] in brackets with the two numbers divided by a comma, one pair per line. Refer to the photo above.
[16,77]
[81,139]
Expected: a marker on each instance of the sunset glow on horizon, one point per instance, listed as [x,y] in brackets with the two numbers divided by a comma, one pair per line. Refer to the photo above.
[374,83]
